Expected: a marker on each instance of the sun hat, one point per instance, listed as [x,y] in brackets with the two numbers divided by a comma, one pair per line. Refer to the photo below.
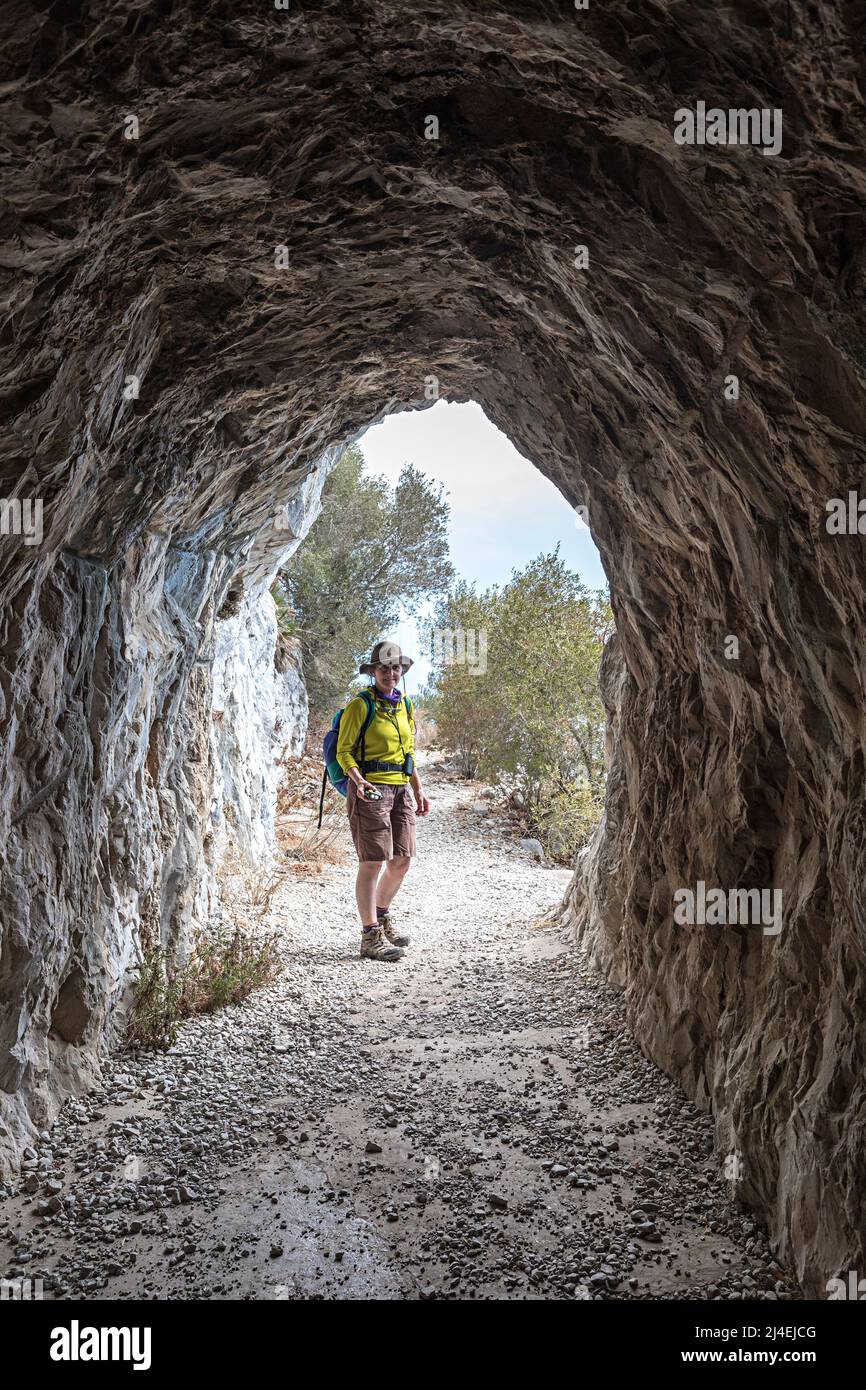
[385,654]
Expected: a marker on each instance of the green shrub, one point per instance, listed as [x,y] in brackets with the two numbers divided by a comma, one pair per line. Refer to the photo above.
[223,969]
[567,819]
[529,716]
[373,551]
[155,1016]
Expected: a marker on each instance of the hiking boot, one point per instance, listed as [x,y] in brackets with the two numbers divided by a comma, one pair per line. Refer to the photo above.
[388,924]
[375,946]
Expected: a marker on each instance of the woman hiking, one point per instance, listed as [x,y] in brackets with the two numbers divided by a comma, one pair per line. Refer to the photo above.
[379,803]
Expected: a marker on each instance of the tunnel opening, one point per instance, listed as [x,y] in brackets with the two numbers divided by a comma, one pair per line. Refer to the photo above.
[503,511]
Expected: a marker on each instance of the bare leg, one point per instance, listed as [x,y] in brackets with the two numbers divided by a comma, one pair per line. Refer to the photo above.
[389,883]
[365,890]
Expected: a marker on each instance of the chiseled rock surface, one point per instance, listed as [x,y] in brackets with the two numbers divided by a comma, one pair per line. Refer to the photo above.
[152,265]
[117,847]
[259,720]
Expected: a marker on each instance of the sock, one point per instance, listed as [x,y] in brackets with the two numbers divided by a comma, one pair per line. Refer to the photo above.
[372,927]
[381,911]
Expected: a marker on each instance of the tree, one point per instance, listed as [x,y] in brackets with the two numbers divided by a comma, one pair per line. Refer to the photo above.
[459,701]
[533,717]
[372,551]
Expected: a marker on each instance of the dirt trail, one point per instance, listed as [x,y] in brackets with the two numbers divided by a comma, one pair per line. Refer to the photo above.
[472,1122]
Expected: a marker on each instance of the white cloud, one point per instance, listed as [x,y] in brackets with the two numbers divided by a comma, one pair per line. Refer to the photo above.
[504,512]
[460,447]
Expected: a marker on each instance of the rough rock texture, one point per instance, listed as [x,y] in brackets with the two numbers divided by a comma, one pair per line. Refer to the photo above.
[361,1133]
[407,257]
[259,720]
[113,829]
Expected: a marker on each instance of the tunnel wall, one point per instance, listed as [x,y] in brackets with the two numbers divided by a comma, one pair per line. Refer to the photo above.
[128,772]
[280,249]
[259,720]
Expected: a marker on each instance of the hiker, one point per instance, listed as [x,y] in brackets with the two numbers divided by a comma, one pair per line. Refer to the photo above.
[382,825]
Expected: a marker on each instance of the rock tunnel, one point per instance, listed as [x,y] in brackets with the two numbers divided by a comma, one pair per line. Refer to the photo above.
[233,237]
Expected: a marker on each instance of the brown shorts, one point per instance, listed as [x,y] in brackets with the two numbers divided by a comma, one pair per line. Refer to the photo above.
[382,829]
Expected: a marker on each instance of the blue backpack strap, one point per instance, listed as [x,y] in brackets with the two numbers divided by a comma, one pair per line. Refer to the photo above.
[329,749]
[367,697]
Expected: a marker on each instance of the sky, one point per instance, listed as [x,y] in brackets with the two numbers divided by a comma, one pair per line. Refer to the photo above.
[503,511]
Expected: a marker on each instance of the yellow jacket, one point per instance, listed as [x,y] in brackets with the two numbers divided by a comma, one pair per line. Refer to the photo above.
[390,737]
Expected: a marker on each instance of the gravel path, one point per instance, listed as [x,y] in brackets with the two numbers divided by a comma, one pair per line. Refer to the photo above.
[474,1121]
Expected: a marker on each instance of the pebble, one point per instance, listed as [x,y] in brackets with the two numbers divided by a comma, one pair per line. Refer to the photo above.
[513,1063]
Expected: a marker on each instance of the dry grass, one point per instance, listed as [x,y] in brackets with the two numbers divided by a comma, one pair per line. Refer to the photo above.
[247,890]
[262,886]
[222,969]
[425,729]
[298,836]
[300,784]
[303,843]
[301,869]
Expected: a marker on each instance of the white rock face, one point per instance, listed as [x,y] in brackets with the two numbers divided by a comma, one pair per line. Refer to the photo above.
[112,704]
[259,719]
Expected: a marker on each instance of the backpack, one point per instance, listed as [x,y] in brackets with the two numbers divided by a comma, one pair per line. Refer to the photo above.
[333,771]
